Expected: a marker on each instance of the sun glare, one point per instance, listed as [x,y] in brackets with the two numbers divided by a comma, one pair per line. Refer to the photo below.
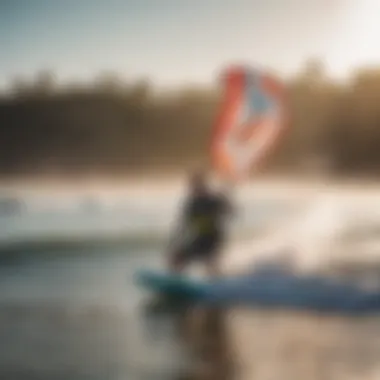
[357,36]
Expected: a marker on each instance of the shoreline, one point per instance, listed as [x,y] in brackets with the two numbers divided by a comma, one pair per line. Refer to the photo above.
[174,181]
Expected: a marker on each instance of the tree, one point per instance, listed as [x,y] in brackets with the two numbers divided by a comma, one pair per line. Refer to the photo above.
[109,82]
[45,83]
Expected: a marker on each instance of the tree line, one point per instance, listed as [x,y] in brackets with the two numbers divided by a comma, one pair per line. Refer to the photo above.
[114,127]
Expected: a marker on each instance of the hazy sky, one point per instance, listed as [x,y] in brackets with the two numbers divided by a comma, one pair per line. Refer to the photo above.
[174,41]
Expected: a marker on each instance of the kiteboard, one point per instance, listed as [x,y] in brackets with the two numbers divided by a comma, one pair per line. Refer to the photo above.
[171,285]
[264,291]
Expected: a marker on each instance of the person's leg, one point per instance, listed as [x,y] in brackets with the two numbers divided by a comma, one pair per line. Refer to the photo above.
[212,265]
[177,261]
[182,257]
[205,250]
[212,257]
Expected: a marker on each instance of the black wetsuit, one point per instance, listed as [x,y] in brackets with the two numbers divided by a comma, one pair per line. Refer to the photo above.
[204,220]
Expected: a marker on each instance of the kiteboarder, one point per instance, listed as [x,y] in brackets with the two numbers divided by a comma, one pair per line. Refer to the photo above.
[200,232]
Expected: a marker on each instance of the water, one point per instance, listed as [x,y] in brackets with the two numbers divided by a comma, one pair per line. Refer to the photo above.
[78,317]
[69,309]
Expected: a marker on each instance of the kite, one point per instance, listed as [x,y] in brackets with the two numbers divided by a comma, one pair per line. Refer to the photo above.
[251,120]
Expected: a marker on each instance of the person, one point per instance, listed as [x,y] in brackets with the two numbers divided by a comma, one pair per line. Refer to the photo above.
[200,233]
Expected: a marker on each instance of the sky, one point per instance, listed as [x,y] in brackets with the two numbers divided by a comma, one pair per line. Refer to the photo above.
[183,41]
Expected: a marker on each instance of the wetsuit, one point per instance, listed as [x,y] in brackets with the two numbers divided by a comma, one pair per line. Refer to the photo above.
[204,219]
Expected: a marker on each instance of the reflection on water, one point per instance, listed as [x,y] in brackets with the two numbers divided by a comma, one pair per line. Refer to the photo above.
[45,341]
[305,346]
[75,317]
[79,317]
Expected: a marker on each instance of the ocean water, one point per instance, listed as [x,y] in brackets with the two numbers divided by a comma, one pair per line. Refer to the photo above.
[69,308]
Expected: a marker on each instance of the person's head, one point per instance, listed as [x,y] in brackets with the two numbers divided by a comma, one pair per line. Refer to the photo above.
[198,183]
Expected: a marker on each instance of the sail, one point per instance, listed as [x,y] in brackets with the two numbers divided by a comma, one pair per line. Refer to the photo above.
[250,122]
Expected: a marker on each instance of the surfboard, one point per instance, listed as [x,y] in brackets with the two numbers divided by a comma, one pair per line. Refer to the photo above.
[171,285]
[264,291]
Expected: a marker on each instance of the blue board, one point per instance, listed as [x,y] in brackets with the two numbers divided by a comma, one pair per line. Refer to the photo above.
[171,284]
[266,290]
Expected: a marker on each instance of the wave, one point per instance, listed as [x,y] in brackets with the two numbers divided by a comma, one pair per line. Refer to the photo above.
[73,245]
[63,225]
